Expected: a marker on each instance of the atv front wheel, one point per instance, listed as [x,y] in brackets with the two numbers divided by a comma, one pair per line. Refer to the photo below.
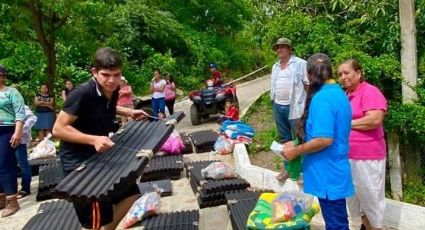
[194,115]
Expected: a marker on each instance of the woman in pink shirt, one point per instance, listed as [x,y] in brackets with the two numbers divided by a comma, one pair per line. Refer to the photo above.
[125,98]
[367,146]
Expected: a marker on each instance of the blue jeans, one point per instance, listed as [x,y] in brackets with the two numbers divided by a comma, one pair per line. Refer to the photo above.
[286,128]
[21,157]
[8,174]
[158,105]
[335,214]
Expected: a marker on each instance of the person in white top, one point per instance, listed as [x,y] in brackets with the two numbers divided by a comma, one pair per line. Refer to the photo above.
[157,88]
[289,83]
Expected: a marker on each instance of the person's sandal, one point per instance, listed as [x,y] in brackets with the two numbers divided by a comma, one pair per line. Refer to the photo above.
[22,194]
[282,177]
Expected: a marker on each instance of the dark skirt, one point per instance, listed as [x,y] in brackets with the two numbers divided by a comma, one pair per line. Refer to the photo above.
[45,120]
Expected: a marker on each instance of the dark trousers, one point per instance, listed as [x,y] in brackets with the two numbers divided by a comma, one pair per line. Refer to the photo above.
[22,158]
[170,105]
[8,174]
[286,128]
[335,214]
[158,105]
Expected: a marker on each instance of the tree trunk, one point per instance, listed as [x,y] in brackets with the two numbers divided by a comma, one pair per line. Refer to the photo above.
[395,165]
[409,65]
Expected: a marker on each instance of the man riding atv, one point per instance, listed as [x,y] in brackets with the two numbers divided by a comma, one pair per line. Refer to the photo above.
[212,99]
[215,75]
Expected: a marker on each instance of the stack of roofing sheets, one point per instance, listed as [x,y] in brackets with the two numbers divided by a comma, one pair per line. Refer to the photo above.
[203,140]
[184,220]
[103,176]
[163,185]
[50,176]
[54,215]
[36,163]
[240,204]
[163,167]
[211,192]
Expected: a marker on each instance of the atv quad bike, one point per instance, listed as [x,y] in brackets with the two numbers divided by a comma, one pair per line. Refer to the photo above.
[211,100]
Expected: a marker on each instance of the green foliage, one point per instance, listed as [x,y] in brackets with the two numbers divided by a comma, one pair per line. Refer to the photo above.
[414,194]
[408,120]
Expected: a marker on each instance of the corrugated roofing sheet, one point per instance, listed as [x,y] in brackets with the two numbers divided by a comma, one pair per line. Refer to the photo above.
[111,173]
[192,164]
[50,176]
[184,220]
[36,163]
[54,215]
[151,186]
[203,140]
[240,204]
[163,167]
[213,186]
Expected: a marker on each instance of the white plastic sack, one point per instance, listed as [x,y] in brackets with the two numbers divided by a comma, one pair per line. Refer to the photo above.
[46,148]
[223,145]
[218,170]
[147,205]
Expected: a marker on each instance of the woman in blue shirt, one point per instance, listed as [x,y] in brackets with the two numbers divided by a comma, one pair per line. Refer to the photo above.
[324,130]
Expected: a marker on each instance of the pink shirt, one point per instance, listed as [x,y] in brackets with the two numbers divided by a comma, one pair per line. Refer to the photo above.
[367,144]
[125,96]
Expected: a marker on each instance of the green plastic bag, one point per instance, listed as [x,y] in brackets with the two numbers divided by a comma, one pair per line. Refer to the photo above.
[294,167]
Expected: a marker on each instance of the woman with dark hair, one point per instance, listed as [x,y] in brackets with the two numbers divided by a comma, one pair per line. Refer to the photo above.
[44,111]
[368,149]
[158,97]
[324,130]
[12,115]
[170,93]
[68,88]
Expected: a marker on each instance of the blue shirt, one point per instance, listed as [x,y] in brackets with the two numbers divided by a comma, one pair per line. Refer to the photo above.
[327,173]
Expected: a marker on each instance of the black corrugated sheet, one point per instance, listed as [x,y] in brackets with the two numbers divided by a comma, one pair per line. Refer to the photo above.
[184,220]
[213,186]
[151,186]
[239,213]
[203,140]
[50,176]
[36,163]
[240,204]
[239,195]
[109,174]
[192,164]
[54,215]
[163,167]
[211,192]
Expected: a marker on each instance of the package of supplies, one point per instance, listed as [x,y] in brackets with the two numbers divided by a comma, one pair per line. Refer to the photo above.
[46,148]
[223,145]
[174,144]
[147,205]
[289,204]
[218,170]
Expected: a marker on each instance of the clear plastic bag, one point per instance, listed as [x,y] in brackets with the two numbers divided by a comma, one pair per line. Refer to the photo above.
[147,205]
[223,145]
[174,144]
[218,170]
[289,204]
[46,148]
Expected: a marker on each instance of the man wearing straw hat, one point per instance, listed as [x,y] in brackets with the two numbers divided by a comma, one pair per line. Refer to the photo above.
[288,91]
